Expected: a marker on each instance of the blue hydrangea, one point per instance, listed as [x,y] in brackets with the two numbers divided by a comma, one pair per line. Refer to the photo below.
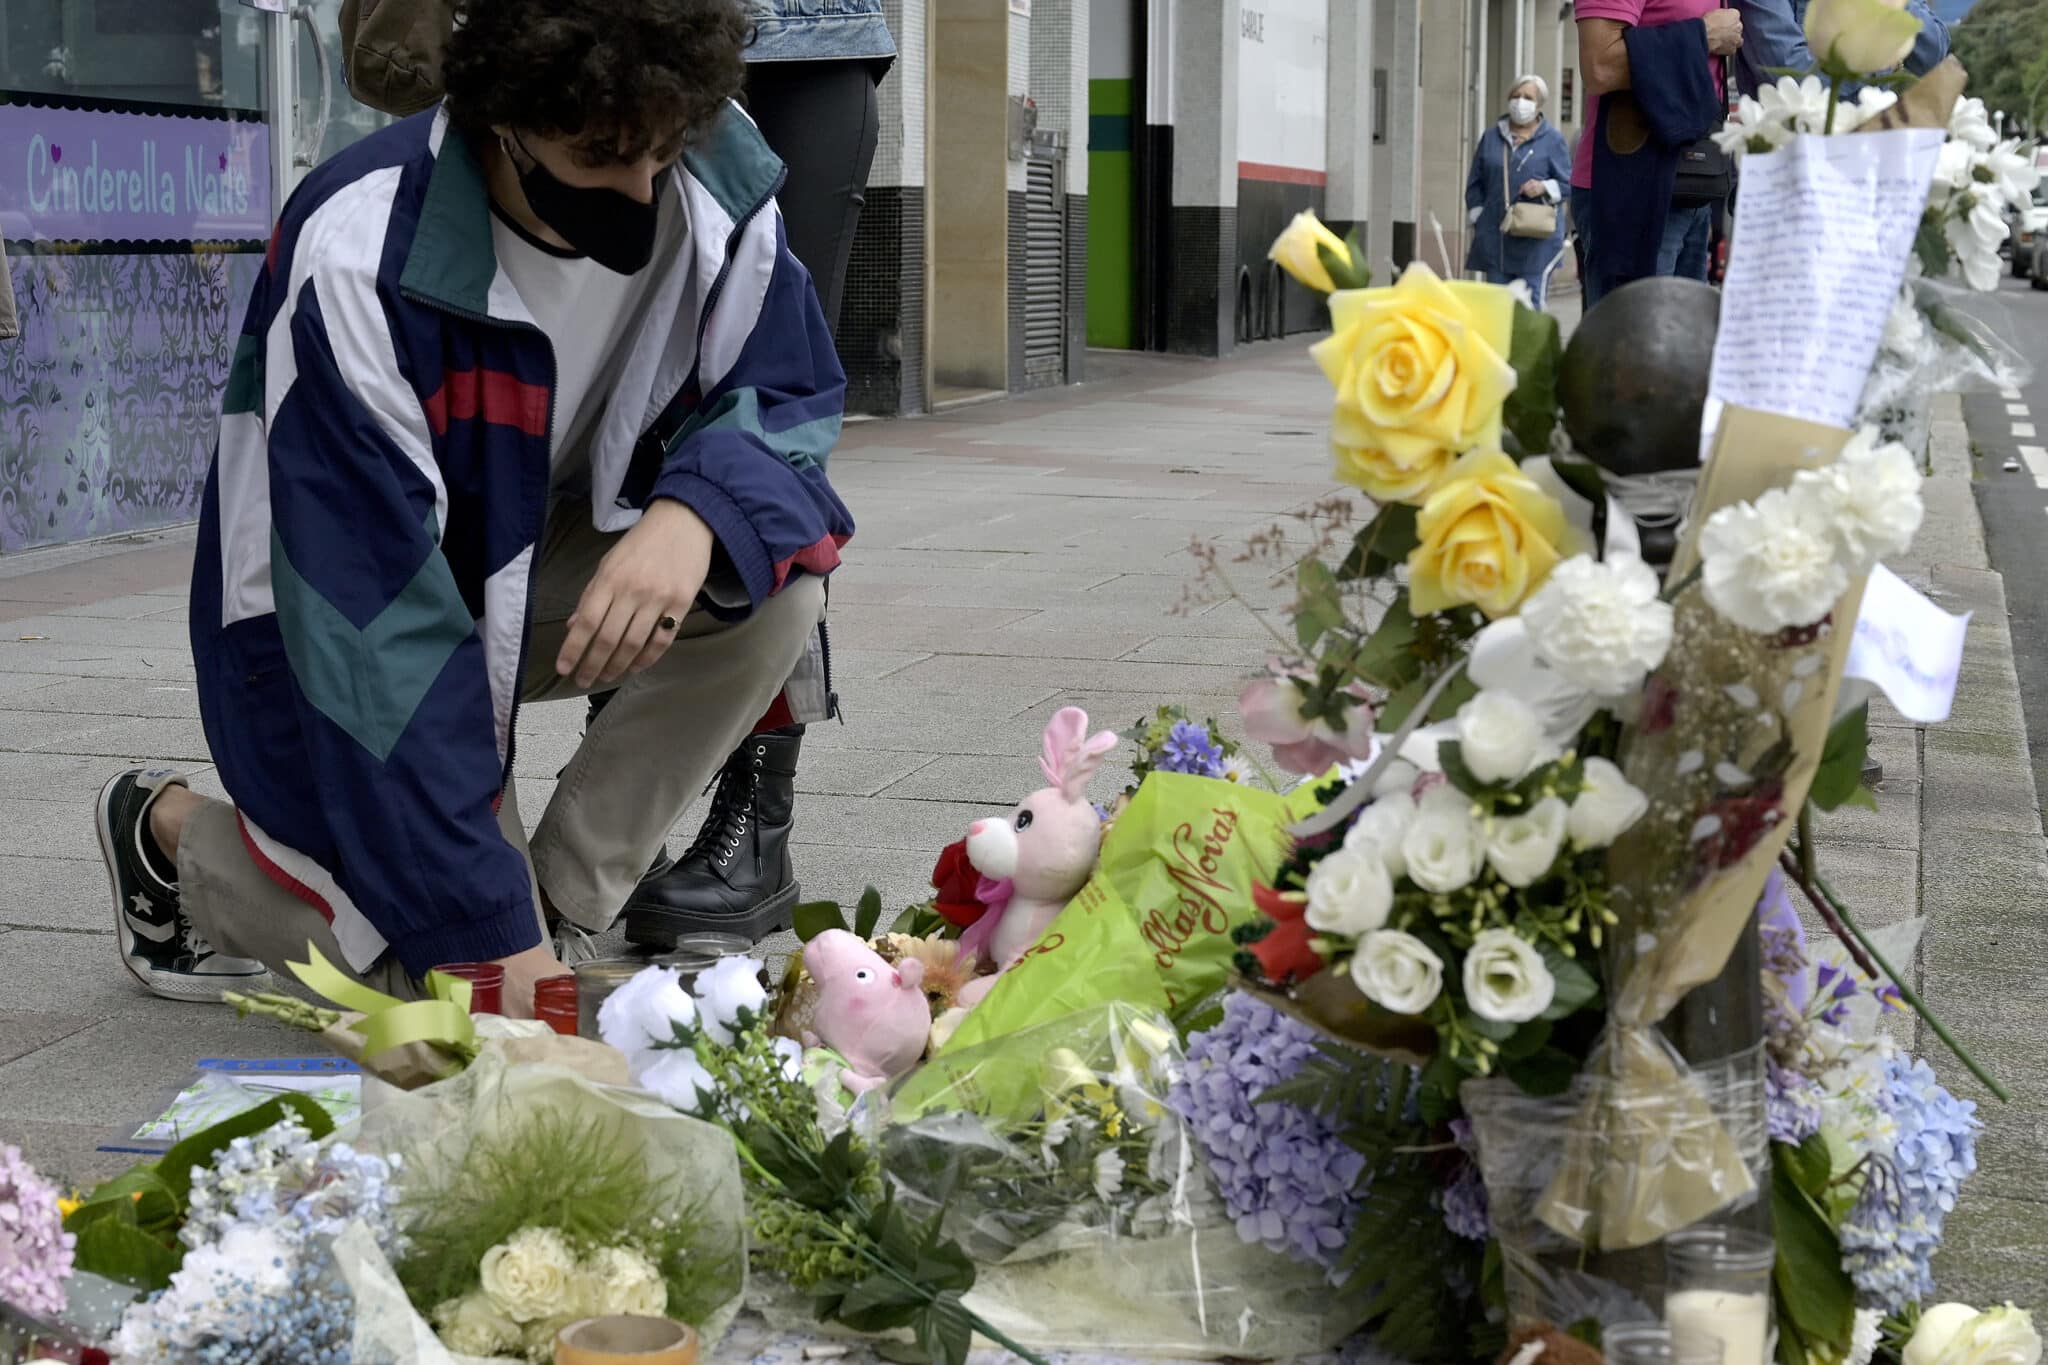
[1889,1240]
[1287,1178]
[1189,749]
[1791,1103]
[1466,1210]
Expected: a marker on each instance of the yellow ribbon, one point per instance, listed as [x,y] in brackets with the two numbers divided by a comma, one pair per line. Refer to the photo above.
[441,1020]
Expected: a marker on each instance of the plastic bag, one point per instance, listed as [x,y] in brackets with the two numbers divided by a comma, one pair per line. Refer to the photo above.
[1596,1156]
[1129,1253]
[1152,926]
[432,1128]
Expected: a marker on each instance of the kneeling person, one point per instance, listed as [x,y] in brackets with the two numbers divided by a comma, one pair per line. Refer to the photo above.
[531,398]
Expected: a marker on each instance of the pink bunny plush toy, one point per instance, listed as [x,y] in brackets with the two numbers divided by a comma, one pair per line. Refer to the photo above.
[1046,850]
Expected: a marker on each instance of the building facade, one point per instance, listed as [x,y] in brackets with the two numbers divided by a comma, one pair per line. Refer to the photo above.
[1051,176]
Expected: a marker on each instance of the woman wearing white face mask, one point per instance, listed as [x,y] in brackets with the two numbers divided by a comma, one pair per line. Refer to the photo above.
[1515,191]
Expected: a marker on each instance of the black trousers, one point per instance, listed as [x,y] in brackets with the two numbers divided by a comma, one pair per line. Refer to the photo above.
[820,118]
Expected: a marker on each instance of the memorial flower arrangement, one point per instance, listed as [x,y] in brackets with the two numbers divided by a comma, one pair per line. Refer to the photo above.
[35,1251]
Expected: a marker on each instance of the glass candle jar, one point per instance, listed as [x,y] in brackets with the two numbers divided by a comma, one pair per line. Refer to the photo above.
[595,982]
[486,984]
[554,1002]
[1651,1343]
[1718,1288]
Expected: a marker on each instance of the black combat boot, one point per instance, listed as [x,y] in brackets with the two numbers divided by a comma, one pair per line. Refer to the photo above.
[736,877]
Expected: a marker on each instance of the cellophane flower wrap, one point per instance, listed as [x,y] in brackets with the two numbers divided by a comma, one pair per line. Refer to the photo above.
[1094,1218]
[433,1128]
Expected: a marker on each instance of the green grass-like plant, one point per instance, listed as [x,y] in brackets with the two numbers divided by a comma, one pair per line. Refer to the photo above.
[549,1168]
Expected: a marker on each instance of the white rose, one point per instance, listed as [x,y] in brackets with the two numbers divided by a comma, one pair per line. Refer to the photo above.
[1505,979]
[643,1012]
[1600,625]
[1379,829]
[1522,848]
[1771,564]
[1349,893]
[1607,805]
[1442,847]
[725,989]
[1870,498]
[1957,1334]
[530,1274]
[675,1077]
[473,1326]
[1397,777]
[1501,737]
[620,1280]
[1397,971]
[1861,36]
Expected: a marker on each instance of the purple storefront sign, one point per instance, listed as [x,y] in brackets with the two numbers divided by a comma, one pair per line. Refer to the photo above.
[68,175]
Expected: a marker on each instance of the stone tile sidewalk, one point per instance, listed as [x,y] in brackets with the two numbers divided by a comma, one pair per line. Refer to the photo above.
[1012,558]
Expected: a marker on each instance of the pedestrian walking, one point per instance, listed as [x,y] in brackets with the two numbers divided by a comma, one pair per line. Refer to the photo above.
[1515,190]
[532,400]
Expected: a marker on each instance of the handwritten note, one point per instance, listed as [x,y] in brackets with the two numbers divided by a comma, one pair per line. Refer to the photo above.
[1823,227]
[1906,646]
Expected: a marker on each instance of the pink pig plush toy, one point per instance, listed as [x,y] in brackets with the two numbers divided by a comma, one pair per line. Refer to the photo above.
[1046,850]
[872,1014]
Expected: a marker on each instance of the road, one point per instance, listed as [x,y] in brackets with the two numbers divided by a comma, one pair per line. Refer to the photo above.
[2009,438]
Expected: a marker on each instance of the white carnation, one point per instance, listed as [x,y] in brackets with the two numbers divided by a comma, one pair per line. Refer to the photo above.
[529,1275]
[1443,848]
[1349,892]
[1771,564]
[1601,626]
[1521,848]
[616,1280]
[1501,737]
[1870,498]
[1380,828]
[727,989]
[473,1326]
[1505,979]
[1397,971]
[1606,805]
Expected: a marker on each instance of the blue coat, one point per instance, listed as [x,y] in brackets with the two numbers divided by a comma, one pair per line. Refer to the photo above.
[1774,39]
[818,30]
[1543,157]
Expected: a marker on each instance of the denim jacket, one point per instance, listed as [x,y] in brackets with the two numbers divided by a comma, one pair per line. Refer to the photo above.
[818,30]
[1774,39]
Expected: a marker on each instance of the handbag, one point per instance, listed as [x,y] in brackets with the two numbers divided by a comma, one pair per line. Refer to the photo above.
[1525,217]
[1706,174]
[391,51]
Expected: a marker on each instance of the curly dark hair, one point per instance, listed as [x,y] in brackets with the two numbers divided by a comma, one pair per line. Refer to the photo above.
[618,78]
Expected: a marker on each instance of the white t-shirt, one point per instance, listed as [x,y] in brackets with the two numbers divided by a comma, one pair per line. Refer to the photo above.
[589,313]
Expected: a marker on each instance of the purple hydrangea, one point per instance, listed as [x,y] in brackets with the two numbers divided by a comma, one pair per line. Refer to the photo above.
[1889,1239]
[35,1251]
[1466,1212]
[1189,749]
[1791,1103]
[1287,1177]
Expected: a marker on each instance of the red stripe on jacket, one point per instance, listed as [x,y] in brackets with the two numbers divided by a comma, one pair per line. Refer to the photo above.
[819,558]
[280,876]
[499,397]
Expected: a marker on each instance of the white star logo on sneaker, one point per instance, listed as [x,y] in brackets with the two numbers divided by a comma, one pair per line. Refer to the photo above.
[138,921]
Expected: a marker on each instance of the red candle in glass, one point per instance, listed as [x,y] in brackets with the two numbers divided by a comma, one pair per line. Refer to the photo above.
[554,1002]
[486,984]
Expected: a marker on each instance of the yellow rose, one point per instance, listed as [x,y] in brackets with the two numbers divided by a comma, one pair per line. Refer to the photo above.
[1860,36]
[1421,373]
[1489,536]
[1295,250]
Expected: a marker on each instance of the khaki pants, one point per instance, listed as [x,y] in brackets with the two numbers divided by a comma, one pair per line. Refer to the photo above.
[643,759]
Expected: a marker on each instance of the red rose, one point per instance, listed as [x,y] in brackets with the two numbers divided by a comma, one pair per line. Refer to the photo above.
[955,880]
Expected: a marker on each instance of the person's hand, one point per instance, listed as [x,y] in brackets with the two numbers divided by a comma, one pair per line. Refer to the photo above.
[1531,189]
[522,970]
[1724,32]
[651,575]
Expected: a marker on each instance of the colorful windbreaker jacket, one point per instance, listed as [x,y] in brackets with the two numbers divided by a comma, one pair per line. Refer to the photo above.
[361,596]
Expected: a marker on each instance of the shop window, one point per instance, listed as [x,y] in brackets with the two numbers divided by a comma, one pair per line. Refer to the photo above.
[203,53]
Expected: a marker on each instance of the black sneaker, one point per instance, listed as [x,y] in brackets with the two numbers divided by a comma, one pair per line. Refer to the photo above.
[159,946]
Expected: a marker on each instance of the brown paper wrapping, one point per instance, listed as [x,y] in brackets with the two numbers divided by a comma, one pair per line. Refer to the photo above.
[1740,699]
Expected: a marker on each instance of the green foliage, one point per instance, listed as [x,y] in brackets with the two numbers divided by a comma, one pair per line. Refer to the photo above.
[552,1169]
[1816,1300]
[813,918]
[1318,604]
[1530,413]
[2004,43]
[1381,544]
[1839,779]
[1348,271]
[128,1227]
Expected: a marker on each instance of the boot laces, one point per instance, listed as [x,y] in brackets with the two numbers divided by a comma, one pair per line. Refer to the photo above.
[732,809]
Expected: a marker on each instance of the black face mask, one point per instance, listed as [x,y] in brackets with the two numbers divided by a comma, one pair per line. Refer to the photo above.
[613,229]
